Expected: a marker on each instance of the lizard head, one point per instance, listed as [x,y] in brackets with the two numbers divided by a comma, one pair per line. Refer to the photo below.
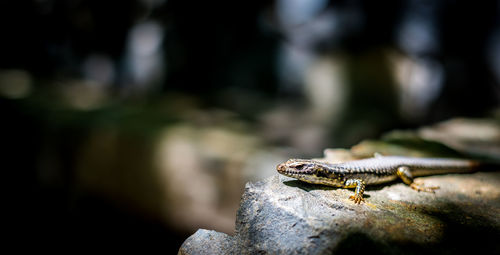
[297,167]
[308,170]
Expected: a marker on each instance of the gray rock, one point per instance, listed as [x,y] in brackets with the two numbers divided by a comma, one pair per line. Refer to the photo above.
[283,216]
[208,242]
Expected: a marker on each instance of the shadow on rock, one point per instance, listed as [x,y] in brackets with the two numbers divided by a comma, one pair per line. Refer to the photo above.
[464,233]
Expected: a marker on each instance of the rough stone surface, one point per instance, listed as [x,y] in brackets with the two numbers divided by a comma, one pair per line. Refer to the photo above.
[283,216]
[208,242]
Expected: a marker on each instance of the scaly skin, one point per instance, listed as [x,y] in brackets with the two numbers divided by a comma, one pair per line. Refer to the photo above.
[380,169]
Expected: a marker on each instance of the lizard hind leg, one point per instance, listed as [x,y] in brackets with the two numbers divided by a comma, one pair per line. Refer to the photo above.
[405,175]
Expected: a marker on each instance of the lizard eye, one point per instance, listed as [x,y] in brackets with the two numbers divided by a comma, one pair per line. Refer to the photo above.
[299,167]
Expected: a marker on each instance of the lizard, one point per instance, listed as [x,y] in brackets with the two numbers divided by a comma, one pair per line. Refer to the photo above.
[377,170]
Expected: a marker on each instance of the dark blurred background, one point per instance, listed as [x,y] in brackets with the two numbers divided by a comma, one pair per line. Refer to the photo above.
[130,124]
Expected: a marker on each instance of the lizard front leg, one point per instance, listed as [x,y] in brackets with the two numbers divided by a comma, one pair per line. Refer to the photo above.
[360,189]
[405,175]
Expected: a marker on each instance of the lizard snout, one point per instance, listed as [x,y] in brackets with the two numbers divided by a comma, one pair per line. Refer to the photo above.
[281,168]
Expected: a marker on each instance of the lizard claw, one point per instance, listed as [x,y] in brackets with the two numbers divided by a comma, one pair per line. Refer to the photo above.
[420,187]
[357,198]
